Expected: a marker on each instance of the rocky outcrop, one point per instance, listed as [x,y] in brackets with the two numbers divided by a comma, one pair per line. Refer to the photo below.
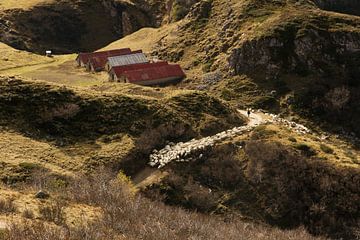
[303,53]
[315,48]
[342,6]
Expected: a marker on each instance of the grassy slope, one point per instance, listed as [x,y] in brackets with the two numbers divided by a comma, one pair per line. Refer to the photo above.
[24,4]
[12,58]
[60,69]
[269,179]
[47,141]
[145,39]
[73,127]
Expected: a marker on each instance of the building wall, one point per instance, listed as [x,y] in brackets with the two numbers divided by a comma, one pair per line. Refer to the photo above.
[162,81]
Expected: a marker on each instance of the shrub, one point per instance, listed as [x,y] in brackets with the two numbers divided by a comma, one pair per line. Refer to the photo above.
[294,189]
[305,149]
[53,212]
[207,67]
[27,213]
[7,206]
[135,217]
[292,139]
[337,98]
[261,132]
[179,11]
[326,149]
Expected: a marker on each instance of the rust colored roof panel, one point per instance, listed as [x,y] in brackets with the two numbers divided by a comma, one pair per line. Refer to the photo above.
[118,70]
[99,62]
[85,57]
[156,73]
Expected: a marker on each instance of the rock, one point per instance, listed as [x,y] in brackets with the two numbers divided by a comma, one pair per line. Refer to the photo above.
[42,195]
[342,6]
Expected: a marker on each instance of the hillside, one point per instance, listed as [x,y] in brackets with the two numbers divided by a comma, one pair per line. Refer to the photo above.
[289,170]
[69,26]
[22,4]
[263,48]
[74,119]
[273,46]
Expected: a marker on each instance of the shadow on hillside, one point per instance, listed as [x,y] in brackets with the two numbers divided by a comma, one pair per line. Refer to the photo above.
[270,183]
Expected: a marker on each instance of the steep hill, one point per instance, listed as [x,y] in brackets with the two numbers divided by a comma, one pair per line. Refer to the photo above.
[264,47]
[76,119]
[70,26]
[273,176]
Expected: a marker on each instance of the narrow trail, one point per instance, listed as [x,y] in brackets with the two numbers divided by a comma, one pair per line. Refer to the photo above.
[148,176]
[255,119]
[185,152]
[195,148]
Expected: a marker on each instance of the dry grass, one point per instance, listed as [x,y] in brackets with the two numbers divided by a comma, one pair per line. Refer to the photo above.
[24,4]
[61,69]
[146,38]
[128,216]
[7,206]
[333,150]
[12,58]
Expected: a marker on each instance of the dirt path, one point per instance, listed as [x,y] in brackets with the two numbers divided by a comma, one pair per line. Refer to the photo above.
[194,149]
[188,151]
[147,177]
[184,152]
[256,118]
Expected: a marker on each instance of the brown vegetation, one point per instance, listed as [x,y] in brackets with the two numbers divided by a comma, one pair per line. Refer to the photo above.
[268,182]
[7,206]
[125,215]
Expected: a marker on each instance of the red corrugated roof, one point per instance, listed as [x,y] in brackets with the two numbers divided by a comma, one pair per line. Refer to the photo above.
[98,61]
[118,70]
[136,51]
[157,73]
[85,57]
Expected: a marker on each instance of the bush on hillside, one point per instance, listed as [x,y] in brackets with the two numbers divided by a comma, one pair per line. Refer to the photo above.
[326,149]
[7,206]
[125,214]
[295,190]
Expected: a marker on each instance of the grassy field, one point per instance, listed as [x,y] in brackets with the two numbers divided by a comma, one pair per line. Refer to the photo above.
[61,69]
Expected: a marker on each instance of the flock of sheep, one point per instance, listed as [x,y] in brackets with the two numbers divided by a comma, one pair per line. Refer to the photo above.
[275,119]
[188,151]
[194,149]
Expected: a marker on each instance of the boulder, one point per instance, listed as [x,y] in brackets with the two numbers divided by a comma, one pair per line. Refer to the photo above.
[42,195]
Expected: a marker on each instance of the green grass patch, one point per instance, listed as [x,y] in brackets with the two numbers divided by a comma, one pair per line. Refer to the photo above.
[326,149]
[261,132]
